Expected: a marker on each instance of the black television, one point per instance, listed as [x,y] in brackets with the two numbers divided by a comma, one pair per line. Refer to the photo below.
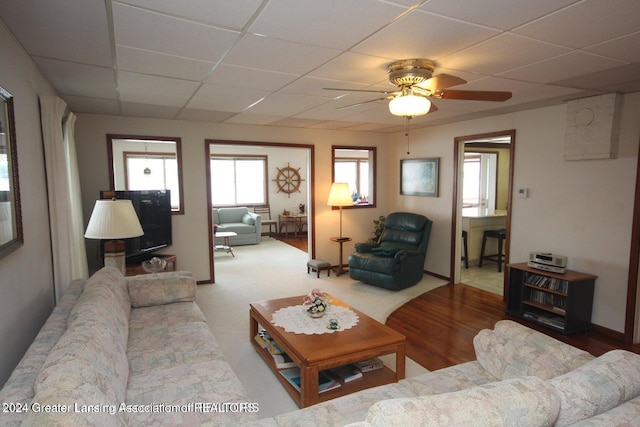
[153,208]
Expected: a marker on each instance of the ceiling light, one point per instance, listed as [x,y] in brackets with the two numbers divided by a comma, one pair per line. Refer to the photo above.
[409,105]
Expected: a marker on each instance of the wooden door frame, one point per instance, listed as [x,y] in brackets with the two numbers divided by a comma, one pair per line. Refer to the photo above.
[455,232]
[311,230]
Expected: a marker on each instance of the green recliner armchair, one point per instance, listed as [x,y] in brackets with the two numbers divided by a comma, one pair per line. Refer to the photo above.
[396,261]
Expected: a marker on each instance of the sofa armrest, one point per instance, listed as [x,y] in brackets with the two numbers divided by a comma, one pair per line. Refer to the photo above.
[365,247]
[149,290]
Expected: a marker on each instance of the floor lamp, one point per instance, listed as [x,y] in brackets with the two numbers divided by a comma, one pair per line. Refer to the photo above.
[340,195]
[114,220]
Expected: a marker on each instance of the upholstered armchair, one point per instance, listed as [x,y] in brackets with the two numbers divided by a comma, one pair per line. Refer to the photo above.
[396,261]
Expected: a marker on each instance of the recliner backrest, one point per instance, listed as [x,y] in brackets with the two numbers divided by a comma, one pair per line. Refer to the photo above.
[405,230]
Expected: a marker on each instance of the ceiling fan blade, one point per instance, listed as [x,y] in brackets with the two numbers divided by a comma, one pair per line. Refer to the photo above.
[441,81]
[360,90]
[472,95]
[363,102]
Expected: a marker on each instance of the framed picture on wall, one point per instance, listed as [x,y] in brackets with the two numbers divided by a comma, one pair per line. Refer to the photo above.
[419,177]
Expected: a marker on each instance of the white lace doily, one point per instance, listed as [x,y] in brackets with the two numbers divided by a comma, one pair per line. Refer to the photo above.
[295,319]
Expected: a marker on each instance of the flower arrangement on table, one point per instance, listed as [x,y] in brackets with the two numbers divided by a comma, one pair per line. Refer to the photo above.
[316,303]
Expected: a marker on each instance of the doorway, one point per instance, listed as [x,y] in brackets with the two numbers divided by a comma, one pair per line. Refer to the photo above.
[278,157]
[483,176]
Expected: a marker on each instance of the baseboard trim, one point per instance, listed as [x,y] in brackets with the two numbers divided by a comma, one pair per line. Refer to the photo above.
[609,333]
[439,276]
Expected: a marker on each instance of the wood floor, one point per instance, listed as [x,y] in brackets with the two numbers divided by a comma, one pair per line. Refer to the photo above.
[440,326]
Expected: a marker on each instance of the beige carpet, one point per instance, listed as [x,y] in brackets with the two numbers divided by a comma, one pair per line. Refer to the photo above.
[275,270]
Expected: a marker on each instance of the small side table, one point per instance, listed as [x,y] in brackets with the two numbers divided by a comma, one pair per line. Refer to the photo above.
[340,268]
[227,246]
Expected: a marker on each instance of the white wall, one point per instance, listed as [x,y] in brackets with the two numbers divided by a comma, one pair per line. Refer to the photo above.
[581,209]
[190,242]
[26,283]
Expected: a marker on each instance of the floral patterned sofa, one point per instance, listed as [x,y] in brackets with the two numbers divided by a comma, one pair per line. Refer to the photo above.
[520,378]
[118,352]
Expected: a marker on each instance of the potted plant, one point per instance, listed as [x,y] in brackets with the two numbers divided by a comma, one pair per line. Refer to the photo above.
[378,227]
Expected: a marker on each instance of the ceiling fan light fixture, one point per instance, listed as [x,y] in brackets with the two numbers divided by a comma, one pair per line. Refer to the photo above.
[409,106]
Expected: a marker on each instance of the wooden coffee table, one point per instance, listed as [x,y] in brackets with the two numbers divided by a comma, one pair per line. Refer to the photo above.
[315,353]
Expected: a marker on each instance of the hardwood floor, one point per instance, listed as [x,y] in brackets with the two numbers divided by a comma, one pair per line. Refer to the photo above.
[440,326]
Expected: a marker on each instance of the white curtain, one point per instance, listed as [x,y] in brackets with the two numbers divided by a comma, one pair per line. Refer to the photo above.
[63,187]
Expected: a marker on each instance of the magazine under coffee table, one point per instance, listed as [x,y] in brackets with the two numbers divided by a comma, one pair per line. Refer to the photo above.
[318,352]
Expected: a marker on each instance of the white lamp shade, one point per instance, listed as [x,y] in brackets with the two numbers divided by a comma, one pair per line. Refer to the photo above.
[409,105]
[113,219]
[340,195]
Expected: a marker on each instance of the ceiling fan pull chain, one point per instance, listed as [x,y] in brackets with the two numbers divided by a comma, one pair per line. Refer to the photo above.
[407,132]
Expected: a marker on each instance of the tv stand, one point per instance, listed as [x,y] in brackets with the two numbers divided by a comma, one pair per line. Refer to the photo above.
[133,269]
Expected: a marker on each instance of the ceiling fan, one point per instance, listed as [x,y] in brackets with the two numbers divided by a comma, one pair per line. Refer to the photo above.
[416,86]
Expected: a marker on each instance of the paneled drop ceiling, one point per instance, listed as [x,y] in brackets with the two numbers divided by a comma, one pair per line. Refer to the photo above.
[266,62]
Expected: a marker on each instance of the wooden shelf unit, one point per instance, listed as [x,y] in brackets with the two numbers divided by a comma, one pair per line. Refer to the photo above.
[562,302]
[136,268]
[369,379]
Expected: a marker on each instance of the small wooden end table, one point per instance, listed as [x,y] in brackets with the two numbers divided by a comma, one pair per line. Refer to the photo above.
[318,352]
[226,246]
[340,268]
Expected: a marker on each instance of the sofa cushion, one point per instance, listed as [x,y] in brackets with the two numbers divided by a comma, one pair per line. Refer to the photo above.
[598,386]
[227,215]
[527,401]
[160,347]
[86,356]
[74,395]
[164,315]
[522,351]
[150,290]
[182,387]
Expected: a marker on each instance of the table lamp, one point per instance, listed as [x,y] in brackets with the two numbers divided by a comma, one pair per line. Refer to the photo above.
[340,195]
[115,220]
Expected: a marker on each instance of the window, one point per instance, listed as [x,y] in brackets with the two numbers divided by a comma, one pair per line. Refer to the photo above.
[147,163]
[153,172]
[479,180]
[356,166]
[238,180]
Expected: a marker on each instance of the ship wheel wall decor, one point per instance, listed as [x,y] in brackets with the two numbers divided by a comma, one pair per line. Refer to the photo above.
[288,180]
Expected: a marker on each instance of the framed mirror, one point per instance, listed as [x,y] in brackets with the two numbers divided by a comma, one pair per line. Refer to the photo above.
[357,167]
[147,163]
[11,237]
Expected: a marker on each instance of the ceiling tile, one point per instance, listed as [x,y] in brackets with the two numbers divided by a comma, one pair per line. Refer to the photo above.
[586,23]
[154,90]
[159,64]
[253,119]
[278,55]
[92,105]
[204,115]
[225,98]
[228,14]
[335,24]
[285,104]
[355,68]
[562,67]
[250,78]
[625,48]
[51,29]
[499,54]
[146,110]
[153,31]
[503,14]
[423,35]
[609,80]
[78,79]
